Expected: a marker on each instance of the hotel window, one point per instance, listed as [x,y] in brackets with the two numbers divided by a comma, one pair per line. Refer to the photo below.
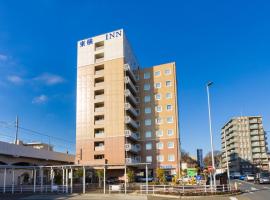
[160,158]
[147,98]
[146,87]
[167,71]
[168,95]
[170,119]
[170,132]
[148,158]
[170,145]
[159,133]
[147,122]
[159,145]
[146,75]
[169,107]
[171,158]
[158,120]
[148,134]
[157,73]
[158,108]
[147,110]
[157,85]
[158,96]
[168,83]
[148,146]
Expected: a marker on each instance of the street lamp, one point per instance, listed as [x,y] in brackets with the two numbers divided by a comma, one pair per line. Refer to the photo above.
[211,135]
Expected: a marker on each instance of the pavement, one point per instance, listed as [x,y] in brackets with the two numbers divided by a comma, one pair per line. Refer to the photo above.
[250,191]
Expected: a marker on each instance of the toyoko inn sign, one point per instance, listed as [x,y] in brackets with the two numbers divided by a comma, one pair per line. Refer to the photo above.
[108,36]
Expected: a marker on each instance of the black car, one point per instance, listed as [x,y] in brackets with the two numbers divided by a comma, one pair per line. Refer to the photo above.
[169,178]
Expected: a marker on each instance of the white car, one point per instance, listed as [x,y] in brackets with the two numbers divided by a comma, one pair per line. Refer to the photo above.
[249,177]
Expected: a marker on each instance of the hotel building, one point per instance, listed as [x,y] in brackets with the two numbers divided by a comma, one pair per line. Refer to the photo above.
[125,114]
[245,141]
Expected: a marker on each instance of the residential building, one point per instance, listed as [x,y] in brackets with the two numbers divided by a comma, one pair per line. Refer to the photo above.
[125,114]
[245,141]
[200,158]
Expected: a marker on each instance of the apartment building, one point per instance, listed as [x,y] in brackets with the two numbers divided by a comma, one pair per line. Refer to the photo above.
[123,109]
[245,141]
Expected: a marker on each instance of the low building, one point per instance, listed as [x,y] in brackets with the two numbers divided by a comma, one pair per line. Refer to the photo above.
[29,154]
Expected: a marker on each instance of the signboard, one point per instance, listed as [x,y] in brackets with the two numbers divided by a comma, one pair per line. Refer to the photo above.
[191,172]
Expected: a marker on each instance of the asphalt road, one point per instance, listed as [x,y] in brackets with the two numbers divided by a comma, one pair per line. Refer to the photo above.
[254,191]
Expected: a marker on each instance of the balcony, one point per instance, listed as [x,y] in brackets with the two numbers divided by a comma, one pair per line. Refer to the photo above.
[130,96]
[99,73]
[99,85]
[128,69]
[99,98]
[256,138]
[131,161]
[99,135]
[130,84]
[98,48]
[99,148]
[99,110]
[129,120]
[254,126]
[132,148]
[256,150]
[131,135]
[253,121]
[131,109]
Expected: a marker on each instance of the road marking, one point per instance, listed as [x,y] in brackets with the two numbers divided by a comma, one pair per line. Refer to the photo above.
[266,187]
[253,189]
[233,198]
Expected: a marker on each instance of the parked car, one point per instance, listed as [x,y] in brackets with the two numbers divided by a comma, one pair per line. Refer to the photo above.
[262,177]
[169,178]
[143,179]
[112,180]
[235,175]
[242,177]
[249,177]
[184,179]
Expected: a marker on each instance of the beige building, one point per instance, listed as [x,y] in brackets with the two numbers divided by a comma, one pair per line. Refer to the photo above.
[125,114]
[246,144]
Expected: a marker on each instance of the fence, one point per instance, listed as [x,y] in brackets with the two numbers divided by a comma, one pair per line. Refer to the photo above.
[157,189]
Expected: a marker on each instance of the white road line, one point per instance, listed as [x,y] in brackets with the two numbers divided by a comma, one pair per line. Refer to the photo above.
[233,198]
[266,187]
[253,189]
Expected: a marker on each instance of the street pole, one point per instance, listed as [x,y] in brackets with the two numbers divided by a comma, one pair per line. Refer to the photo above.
[227,160]
[211,134]
[17,129]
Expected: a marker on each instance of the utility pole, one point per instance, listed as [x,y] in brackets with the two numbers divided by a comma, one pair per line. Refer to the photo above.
[17,129]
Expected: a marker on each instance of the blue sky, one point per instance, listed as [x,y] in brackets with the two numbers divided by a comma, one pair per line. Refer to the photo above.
[224,41]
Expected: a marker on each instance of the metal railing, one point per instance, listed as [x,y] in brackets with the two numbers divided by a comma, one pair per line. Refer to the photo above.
[157,189]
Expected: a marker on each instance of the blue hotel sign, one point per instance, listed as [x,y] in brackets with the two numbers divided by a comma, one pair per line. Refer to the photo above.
[109,36]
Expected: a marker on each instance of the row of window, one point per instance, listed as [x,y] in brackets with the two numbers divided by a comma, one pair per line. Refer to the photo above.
[147,75]
[160,158]
[147,98]
[159,145]
[148,110]
[159,120]
[159,133]
[147,86]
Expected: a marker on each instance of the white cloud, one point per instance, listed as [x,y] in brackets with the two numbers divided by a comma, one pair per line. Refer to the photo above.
[3,57]
[15,79]
[41,99]
[49,79]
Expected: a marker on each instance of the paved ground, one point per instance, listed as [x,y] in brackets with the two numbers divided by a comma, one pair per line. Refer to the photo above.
[110,197]
[254,191]
[251,192]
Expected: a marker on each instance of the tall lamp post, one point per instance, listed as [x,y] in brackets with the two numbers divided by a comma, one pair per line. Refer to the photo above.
[211,134]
